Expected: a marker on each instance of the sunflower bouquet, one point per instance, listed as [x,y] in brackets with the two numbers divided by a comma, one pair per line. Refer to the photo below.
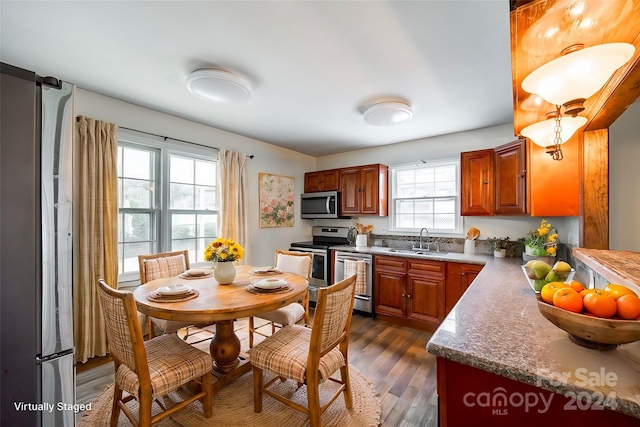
[542,241]
[223,250]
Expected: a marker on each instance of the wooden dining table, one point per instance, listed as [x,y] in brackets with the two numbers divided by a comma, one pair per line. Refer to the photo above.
[221,304]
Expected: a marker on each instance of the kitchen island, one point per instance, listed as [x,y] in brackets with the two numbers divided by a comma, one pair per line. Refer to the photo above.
[497,355]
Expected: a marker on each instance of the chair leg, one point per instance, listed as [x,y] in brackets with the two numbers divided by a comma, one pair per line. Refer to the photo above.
[313,398]
[257,389]
[344,375]
[144,411]
[206,399]
[186,335]
[150,327]
[115,410]
[251,330]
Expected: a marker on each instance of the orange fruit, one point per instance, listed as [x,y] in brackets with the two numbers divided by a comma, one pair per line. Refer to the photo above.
[617,291]
[577,286]
[568,299]
[600,303]
[628,306]
[590,291]
[548,291]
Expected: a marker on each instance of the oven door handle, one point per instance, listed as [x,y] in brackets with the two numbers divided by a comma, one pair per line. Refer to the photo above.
[362,297]
[353,259]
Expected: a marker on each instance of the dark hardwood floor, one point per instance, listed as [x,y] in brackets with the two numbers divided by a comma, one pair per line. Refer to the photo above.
[392,357]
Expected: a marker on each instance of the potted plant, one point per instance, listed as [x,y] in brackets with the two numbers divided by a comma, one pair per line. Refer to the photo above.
[499,246]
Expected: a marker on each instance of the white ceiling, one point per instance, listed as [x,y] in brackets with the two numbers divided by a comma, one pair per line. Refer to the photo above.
[313,65]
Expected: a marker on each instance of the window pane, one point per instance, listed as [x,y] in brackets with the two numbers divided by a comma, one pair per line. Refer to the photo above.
[181,196]
[128,254]
[445,206]
[137,227]
[136,194]
[206,173]
[136,163]
[183,226]
[445,222]
[181,170]
[185,244]
[205,197]
[207,226]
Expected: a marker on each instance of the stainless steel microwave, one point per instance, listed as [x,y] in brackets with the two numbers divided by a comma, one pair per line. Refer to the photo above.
[320,205]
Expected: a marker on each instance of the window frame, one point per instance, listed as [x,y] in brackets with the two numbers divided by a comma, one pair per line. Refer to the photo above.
[458,230]
[165,147]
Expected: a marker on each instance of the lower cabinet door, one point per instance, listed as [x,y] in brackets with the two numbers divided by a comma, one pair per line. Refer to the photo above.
[425,299]
[389,293]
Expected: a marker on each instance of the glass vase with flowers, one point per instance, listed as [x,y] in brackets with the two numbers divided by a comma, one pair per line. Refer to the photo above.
[223,252]
[542,241]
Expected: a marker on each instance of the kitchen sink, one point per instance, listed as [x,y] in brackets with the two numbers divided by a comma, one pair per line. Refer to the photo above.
[415,252]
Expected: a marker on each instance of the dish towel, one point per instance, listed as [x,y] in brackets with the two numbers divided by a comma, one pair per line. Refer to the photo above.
[359,268]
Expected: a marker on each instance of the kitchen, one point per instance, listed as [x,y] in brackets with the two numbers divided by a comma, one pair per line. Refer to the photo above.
[271,158]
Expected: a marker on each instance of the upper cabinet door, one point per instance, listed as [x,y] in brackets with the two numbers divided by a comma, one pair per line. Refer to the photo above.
[349,191]
[477,183]
[511,178]
[328,180]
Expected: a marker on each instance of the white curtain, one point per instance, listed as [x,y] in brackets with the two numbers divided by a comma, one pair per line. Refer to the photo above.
[233,220]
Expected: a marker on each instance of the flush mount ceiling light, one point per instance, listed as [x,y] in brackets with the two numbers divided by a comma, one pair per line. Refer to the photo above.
[218,86]
[576,75]
[387,113]
[551,133]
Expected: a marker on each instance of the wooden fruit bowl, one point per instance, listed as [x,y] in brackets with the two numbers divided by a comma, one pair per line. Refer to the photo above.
[588,331]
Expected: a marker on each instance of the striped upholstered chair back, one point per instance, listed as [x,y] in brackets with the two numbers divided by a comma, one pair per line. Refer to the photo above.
[166,264]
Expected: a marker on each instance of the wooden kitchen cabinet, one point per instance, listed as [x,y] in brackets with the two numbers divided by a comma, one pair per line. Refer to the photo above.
[510,171]
[327,180]
[459,277]
[363,190]
[409,292]
[494,182]
[476,178]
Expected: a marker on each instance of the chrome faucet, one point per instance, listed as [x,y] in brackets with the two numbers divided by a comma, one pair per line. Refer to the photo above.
[421,230]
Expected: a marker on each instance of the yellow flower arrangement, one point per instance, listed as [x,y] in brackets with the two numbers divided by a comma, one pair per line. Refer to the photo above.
[223,250]
[543,240]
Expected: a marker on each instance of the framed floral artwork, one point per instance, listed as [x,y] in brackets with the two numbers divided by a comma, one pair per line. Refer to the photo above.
[276,194]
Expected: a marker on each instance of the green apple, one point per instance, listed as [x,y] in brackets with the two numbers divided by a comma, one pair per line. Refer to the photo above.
[539,284]
[552,276]
[541,269]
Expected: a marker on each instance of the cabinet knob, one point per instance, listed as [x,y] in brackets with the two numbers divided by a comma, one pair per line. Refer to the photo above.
[408,296]
[462,274]
[486,182]
[403,295]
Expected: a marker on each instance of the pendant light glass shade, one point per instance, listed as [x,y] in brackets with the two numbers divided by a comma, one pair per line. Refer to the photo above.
[543,133]
[579,74]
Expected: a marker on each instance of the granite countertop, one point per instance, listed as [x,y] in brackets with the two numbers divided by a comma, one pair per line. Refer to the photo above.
[496,327]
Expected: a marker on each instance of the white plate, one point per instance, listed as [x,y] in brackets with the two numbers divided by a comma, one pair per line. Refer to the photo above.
[265,270]
[178,289]
[269,283]
[198,272]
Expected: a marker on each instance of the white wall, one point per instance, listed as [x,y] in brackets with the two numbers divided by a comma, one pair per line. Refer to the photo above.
[439,148]
[268,158]
[624,181]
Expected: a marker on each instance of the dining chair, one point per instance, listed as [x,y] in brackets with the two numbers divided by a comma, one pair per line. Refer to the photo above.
[300,263]
[309,356]
[150,369]
[158,266]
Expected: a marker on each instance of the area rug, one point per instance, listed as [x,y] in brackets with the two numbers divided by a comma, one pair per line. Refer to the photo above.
[233,406]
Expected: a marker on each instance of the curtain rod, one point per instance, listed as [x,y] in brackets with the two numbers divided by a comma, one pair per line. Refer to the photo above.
[175,139]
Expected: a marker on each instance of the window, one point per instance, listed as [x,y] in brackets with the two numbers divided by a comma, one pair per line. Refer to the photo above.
[167,199]
[425,195]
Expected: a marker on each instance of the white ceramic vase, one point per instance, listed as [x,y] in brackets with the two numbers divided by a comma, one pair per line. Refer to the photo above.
[224,273]
[499,253]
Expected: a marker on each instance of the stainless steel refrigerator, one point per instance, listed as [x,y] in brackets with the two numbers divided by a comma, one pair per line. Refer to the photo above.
[36,195]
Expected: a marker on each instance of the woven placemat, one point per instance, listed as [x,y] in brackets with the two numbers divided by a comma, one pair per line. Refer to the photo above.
[187,276]
[254,290]
[155,296]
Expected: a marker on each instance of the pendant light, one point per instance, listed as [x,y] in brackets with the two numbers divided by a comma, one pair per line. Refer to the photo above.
[553,132]
[568,81]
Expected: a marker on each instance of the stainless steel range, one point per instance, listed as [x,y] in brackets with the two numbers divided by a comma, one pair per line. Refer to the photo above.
[323,239]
